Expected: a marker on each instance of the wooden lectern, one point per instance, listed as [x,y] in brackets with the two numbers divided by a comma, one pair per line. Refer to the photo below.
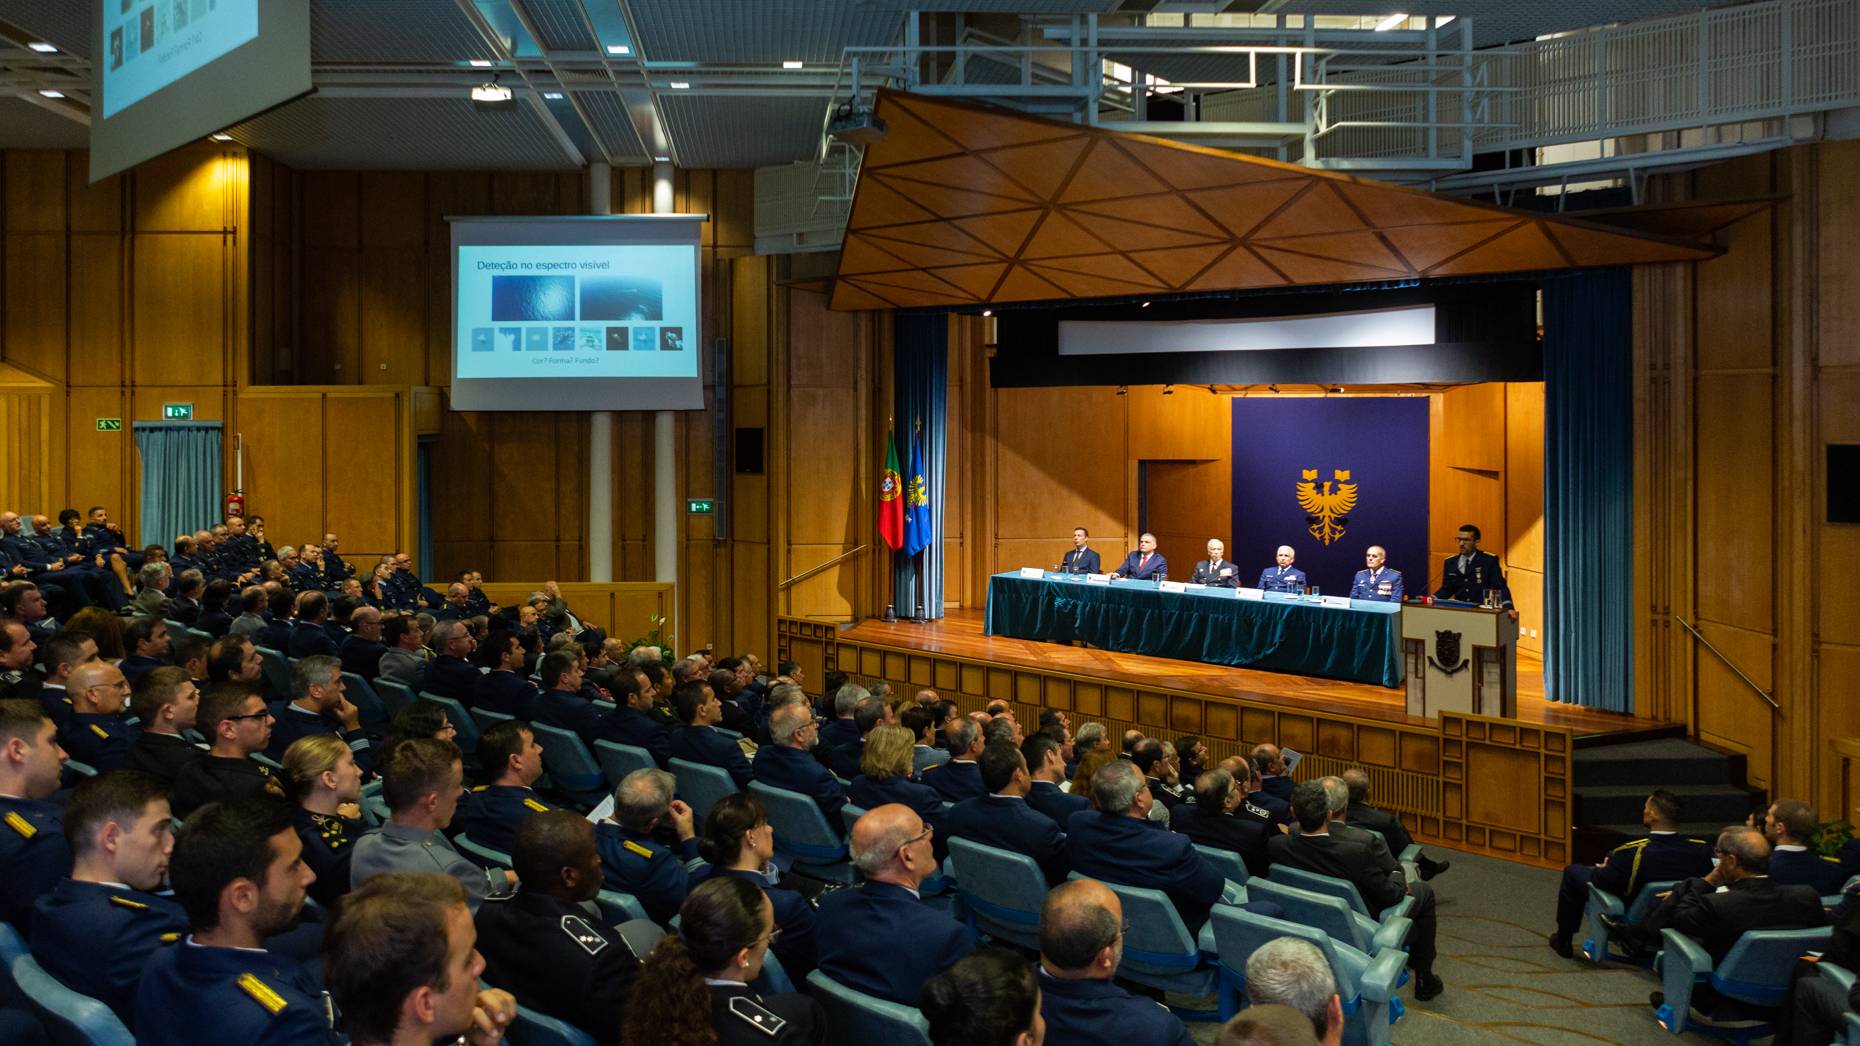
[1460,659]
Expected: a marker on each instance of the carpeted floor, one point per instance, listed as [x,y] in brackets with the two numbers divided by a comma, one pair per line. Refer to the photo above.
[1504,984]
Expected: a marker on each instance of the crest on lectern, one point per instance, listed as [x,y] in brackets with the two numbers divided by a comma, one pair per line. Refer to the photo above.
[1447,652]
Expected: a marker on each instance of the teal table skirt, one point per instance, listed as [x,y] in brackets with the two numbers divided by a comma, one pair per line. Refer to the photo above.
[1277,634]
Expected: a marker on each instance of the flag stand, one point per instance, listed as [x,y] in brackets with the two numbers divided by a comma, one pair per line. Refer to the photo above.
[917,584]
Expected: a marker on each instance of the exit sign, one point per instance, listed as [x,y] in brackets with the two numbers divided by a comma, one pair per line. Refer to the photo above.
[700,506]
[109,424]
[177,412]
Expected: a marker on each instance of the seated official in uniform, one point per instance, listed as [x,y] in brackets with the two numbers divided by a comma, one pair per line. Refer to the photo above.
[1663,856]
[236,725]
[281,603]
[512,761]
[1215,570]
[699,741]
[402,965]
[880,938]
[1161,773]
[1284,577]
[843,728]
[1081,943]
[1080,559]
[1387,825]
[1292,972]
[449,674]
[961,777]
[631,722]
[694,987]
[988,999]
[738,841]
[504,688]
[921,721]
[1789,824]
[1468,576]
[563,703]
[787,762]
[97,734]
[1145,564]
[1046,765]
[236,660]
[326,790]
[319,705]
[1378,583]
[238,871]
[422,781]
[17,679]
[1119,843]
[634,858]
[870,713]
[1210,820]
[1314,849]
[167,702]
[1002,819]
[96,930]
[254,602]
[884,777]
[148,643]
[310,637]
[62,654]
[541,944]
[1275,776]
[363,649]
[33,853]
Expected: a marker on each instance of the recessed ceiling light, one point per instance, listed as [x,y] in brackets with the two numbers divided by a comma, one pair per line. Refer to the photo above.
[492,93]
[791,65]
[222,137]
[1443,20]
[49,93]
[619,49]
[661,159]
[988,312]
[42,47]
[553,96]
[1390,22]
[679,85]
[481,63]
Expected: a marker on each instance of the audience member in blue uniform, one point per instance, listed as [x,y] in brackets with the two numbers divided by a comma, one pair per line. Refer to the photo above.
[512,762]
[97,734]
[631,721]
[921,721]
[1292,972]
[361,651]
[1081,943]
[402,965]
[737,841]
[320,705]
[1046,765]
[699,741]
[148,643]
[564,702]
[1663,856]
[1210,821]
[1119,843]
[421,780]
[786,762]
[33,854]
[311,634]
[237,725]
[97,929]
[885,778]
[1789,824]
[989,998]
[872,711]
[276,635]
[215,598]
[1080,558]
[880,938]
[1378,582]
[842,728]
[235,659]
[450,674]
[1283,577]
[1002,818]
[1144,564]
[1275,778]
[326,790]
[961,777]
[634,859]
[238,870]
[504,688]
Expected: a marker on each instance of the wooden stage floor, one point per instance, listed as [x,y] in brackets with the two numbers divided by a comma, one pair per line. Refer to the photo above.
[960,635]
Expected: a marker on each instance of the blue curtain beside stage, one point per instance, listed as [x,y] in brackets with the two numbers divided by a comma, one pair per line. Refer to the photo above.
[920,347]
[1589,489]
[180,478]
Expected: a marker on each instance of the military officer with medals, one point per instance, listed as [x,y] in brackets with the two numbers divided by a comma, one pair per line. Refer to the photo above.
[1379,582]
[513,761]
[1215,571]
[1468,576]
[1284,577]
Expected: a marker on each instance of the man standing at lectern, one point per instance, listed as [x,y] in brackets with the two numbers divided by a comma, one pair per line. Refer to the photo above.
[1215,570]
[1079,559]
[1284,577]
[1145,564]
[1379,583]
[1468,576]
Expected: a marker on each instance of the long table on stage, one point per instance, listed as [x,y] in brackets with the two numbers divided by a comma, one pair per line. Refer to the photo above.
[1278,633]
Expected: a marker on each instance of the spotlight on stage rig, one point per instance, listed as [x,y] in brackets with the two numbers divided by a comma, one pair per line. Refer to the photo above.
[1168,390]
[1274,388]
[1123,390]
[1336,388]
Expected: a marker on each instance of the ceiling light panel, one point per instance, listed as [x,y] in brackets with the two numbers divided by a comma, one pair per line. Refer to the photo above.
[760,32]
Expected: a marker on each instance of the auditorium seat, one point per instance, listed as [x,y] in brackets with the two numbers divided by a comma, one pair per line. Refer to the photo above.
[486,719]
[1333,917]
[1342,889]
[1002,891]
[277,671]
[366,701]
[1366,984]
[803,834]
[532,1028]
[856,1019]
[1601,902]
[618,760]
[1229,863]
[465,728]
[479,854]
[570,765]
[1756,971]
[617,907]
[394,696]
[68,1015]
[700,785]
[1159,952]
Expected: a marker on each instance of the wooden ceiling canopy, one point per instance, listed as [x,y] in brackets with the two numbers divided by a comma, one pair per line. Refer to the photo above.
[962,205]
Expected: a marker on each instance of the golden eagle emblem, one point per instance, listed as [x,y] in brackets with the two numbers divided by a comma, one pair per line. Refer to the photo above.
[1327,505]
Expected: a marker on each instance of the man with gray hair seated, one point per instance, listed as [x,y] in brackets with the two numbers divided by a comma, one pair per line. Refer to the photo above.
[152,590]
[1292,972]
[786,762]
[319,705]
[632,860]
[450,673]
[842,729]
[879,938]
[961,777]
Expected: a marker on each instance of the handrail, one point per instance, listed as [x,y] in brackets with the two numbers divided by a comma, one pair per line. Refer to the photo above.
[1728,663]
[810,572]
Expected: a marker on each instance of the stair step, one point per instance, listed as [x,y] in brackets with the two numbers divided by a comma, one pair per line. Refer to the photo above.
[1670,761]
[1719,804]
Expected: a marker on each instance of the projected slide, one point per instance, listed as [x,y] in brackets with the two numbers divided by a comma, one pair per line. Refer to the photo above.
[152,43]
[576,311]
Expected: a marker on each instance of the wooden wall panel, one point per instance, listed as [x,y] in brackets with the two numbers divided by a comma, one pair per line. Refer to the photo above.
[34,267]
[98,349]
[28,449]
[35,191]
[96,465]
[179,333]
[1188,502]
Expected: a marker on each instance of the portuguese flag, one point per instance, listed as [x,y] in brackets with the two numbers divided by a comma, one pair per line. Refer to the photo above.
[891,498]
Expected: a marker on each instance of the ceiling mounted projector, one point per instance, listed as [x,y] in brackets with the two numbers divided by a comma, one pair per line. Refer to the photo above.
[492,97]
[854,124]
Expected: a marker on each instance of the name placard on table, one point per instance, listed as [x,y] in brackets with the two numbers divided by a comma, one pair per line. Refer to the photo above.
[1257,594]
[1172,586]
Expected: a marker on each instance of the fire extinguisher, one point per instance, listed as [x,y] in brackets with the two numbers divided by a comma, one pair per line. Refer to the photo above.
[235,503]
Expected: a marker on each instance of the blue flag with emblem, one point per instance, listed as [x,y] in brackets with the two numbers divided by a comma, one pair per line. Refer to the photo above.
[917,527]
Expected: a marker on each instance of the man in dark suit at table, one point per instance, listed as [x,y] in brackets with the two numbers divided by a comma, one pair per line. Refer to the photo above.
[1145,564]
[1215,570]
[1079,559]
[1284,577]
[1380,583]
[1467,577]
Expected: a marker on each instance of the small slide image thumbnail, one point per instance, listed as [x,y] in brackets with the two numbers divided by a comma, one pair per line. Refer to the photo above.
[509,339]
[562,339]
[621,298]
[616,339]
[671,339]
[202,7]
[645,339]
[116,48]
[536,339]
[179,18]
[516,298]
[481,339]
[148,29]
[590,339]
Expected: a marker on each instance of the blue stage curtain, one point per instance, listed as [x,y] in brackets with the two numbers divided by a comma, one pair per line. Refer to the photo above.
[1589,489]
[180,479]
[920,357]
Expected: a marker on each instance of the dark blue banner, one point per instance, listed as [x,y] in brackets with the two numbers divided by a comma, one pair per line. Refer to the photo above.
[1331,477]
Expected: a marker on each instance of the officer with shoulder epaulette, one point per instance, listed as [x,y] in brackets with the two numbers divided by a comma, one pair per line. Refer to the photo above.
[96,734]
[1663,856]
[233,718]
[634,858]
[97,929]
[1283,577]
[512,761]
[1472,573]
[33,854]
[543,944]
[1379,582]
[220,977]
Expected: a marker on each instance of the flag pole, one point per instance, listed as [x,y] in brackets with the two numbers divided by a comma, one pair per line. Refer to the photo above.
[920,558]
